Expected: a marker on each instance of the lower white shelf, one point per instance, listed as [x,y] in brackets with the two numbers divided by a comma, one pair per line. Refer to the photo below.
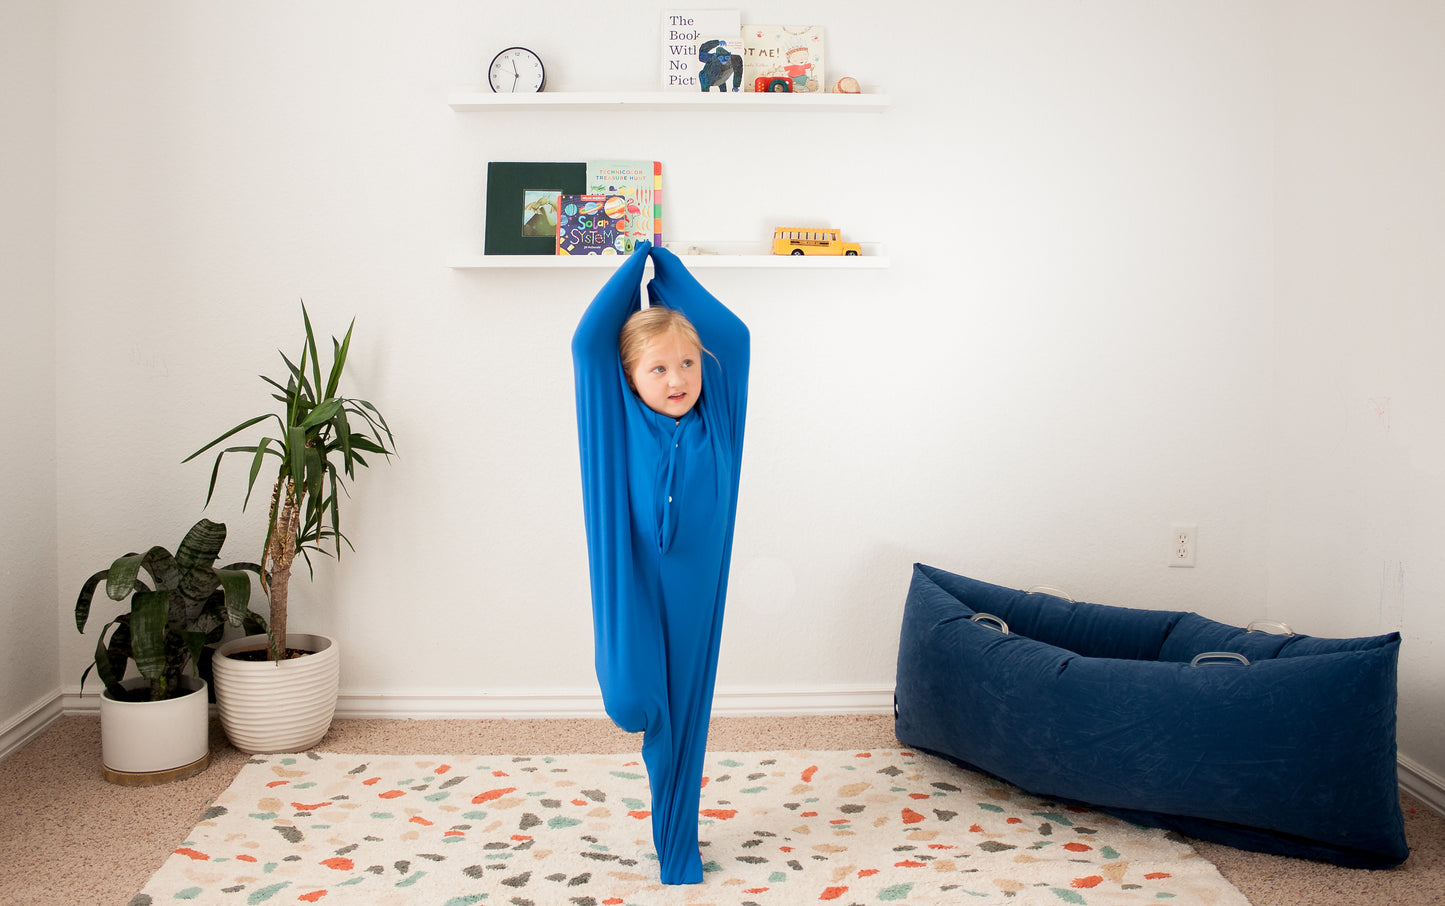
[694,255]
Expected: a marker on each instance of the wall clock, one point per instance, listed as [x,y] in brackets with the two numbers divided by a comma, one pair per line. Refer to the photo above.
[516,69]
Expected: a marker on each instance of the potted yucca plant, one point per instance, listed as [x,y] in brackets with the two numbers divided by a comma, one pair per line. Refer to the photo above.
[320,438]
[154,725]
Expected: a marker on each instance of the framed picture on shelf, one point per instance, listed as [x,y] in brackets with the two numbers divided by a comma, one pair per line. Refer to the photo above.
[522,204]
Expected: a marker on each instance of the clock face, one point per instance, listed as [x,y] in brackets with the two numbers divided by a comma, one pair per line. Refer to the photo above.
[516,69]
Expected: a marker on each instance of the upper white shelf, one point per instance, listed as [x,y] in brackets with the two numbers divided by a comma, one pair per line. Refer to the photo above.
[473,100]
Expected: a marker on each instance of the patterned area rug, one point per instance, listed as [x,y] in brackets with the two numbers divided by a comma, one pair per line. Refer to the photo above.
[777,828]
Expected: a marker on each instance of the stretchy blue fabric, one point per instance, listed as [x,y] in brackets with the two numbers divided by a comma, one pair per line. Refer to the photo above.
[659,497]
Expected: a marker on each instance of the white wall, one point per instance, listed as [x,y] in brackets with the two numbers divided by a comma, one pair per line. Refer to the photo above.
[1075,346]
[1357,539]
[29,629]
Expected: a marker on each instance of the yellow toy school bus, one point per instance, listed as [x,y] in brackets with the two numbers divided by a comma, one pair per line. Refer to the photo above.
[801,241]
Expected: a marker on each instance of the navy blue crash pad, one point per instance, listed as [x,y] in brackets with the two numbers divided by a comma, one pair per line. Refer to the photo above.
[1293,753]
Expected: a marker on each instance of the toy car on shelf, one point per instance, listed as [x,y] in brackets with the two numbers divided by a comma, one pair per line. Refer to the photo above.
[772,84]
[802,241]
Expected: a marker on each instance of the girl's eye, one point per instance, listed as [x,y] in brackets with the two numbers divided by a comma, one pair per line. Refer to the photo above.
[687,363]
[658,369]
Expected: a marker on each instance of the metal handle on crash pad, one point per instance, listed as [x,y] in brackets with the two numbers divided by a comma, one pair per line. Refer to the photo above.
[990,618]
[1271,626]
[1051,591]
[1207,658]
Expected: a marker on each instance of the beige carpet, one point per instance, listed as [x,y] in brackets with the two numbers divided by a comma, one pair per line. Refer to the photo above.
[70,839]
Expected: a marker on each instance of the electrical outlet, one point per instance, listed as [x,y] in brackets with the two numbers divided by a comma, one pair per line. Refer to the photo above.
[1183,539]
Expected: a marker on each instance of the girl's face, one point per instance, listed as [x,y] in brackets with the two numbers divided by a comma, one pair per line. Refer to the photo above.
[668,374]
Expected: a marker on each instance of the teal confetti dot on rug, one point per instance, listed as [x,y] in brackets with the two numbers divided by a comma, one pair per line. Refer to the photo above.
[411,879]
[896,892]
[1109,853]
[264,816]
[437,797]
[560,822]
[466,900]
[190,893]
[990,807]
[382,816]
[777,877]
[1069,896]
[266,893]
[629,775]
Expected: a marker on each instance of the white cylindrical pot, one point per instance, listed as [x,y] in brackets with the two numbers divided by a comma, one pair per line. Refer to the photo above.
[270,706]
[155,738]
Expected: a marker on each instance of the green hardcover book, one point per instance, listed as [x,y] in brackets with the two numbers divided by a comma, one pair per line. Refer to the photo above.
[522,204]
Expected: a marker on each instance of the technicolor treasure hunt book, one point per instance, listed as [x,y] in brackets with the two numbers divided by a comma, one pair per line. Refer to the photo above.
[702,50]
[791,52]
[640,182]
[591,225]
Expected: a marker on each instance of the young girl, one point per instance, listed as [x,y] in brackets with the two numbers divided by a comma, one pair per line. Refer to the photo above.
[661,401]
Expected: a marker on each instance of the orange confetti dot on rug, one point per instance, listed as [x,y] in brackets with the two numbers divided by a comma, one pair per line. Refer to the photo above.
[808,773]
[917,795]
[941,846]
[864,755]
[1015,820]
[442,769]
[808,815]
[579,801]
[909,863]
[747,890]
[867,872]
[639,814]
[455,834]
[370,781]
[1077,847]
[418,819]
[303,807]
[833,893]
[1157,875]
[975,829]
[723,814]
[391,794]
[489,795]
[340,863]
[245,858]
[841,821]
[612,901]
[786,849]
[521,838]
[704,782]
[312,897]
[195,854]
[277,783]
[1090,881]
[911,817]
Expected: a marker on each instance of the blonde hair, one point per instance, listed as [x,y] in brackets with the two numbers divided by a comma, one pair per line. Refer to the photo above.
[645,326]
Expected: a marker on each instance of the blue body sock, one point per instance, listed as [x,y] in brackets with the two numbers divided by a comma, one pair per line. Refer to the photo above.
[660,498]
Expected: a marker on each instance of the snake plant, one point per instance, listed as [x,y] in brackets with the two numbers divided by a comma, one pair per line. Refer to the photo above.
[319,437]
[185,606]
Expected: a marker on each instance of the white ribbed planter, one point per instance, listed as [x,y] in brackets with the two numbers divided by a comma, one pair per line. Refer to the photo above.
[270,707]
[145,743]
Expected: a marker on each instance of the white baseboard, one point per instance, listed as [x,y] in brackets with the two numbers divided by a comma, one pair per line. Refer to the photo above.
[420,705]
[1422,783]
[588,703]
[30,723]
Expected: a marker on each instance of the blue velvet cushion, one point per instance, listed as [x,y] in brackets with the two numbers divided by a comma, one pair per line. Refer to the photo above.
[1293,754]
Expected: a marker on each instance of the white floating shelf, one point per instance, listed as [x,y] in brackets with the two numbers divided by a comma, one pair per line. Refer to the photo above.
[712,255]
[473,100]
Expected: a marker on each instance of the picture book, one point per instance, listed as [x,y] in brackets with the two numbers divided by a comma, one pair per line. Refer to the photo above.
[702,50]
[640,183]
[791,52]
[592,225]
[522,204]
